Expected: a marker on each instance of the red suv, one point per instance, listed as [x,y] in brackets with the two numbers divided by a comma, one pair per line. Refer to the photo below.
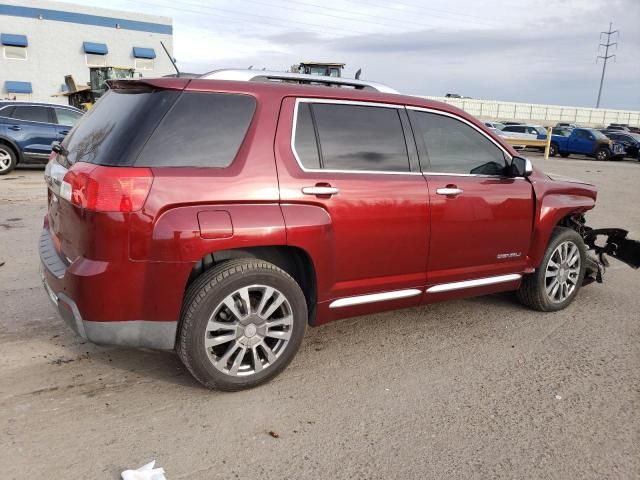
[220,218]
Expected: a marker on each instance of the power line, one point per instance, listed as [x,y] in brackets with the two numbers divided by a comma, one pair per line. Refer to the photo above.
[606,56]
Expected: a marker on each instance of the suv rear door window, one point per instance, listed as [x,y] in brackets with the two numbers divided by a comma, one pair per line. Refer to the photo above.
[305,143]
[361,138]
[455,147]
[31,114]
[201,130]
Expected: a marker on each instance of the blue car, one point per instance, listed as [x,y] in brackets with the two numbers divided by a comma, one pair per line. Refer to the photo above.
[27,131]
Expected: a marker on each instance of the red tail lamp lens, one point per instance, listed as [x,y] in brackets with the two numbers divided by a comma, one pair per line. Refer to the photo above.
[108,189]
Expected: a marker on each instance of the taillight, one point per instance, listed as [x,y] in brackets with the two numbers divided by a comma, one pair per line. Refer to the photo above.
[106,189]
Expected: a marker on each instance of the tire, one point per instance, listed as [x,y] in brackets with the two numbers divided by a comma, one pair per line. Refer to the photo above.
[266,350]
[8,159]
[564,155]
[537,289]
[553,150]
[603,154]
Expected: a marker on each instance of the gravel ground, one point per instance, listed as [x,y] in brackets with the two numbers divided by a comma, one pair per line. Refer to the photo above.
[477,388]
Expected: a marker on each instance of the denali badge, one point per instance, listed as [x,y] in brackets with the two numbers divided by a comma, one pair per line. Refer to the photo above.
[501,256]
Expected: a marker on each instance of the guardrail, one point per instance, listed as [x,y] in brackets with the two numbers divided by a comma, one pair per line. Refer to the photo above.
[540,113]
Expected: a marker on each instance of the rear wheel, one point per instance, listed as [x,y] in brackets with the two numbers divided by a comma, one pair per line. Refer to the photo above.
[556,282]
[7,159]
[242,323]
[603,154]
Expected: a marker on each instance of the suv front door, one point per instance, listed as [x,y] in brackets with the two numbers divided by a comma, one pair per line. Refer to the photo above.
[481,220]
[352,193]
[32,128]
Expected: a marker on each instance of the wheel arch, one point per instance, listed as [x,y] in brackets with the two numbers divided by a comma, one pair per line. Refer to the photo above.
[14,146]
[556,210]
[293,260]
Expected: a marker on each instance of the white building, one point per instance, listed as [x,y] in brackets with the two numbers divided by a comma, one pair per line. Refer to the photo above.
[42,41]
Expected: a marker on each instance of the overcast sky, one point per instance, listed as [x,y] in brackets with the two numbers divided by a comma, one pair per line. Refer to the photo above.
[541,51]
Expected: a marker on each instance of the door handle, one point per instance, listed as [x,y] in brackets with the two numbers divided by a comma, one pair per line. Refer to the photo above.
[449,191]
[320,190]
[15,127]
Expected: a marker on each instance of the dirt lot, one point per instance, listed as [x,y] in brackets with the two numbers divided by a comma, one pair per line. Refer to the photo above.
[480,388]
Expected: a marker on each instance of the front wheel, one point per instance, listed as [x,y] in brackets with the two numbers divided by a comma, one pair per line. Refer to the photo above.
[553,150]
[242,323]
[556,282]
[7,159]
[603,154]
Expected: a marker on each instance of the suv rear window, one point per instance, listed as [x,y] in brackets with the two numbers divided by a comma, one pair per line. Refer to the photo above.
[161,128]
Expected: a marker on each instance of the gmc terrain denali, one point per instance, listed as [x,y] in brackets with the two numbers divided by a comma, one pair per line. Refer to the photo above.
[219,218]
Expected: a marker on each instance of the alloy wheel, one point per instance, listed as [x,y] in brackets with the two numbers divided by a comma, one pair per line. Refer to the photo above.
[563,271]
[249,330]
[5,160]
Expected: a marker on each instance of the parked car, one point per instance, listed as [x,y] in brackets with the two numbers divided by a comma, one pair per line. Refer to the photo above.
[511,122]
[534,132]
[566,125]
[618,126]
[630,142]
[495,125]
[586,141]
[221,218]
[27,131]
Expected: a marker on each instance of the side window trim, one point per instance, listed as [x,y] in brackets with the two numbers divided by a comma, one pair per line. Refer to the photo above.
[311,100]
[422,149]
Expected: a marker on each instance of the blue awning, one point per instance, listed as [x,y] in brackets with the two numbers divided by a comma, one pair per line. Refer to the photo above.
[17,87]
[95,48]
[140,52]
[14,40]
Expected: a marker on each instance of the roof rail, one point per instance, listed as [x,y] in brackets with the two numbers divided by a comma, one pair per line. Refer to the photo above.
[266,76]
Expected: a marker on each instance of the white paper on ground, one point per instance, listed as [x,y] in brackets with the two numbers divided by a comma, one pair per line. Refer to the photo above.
[146,472]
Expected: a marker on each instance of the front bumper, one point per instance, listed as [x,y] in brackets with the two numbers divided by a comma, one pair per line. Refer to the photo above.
[159,335]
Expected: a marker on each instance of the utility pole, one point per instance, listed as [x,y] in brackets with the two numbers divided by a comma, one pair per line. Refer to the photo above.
[606,56]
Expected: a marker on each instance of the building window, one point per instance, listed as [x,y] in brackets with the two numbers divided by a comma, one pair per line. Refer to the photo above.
[17,90]
[14,47]
[15,53]
[95,54]
[144,63]
[144,58]
[96,60]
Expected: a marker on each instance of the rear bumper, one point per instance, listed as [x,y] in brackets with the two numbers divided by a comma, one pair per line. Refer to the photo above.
[129,333]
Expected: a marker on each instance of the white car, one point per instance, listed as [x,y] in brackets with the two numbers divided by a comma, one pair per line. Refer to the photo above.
[531,132]
[495,125]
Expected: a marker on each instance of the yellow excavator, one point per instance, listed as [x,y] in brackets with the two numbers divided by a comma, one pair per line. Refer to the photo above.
[84,96]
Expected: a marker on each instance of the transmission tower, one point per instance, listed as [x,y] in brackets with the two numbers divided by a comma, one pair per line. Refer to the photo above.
[606,55]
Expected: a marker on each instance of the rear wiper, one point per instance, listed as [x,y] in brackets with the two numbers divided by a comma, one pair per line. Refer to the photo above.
[59,149]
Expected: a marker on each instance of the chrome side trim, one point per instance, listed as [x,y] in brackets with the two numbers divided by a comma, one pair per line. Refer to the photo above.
[340,102]
[374,297]
[479,282]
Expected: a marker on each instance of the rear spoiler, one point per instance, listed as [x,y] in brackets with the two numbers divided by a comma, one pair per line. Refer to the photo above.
[149,83]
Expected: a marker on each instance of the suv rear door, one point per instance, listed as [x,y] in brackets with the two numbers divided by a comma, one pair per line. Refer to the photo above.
[32,128]
[351,189]
[481,220]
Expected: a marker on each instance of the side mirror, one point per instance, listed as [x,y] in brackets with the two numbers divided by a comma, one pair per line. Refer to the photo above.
[521,167]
